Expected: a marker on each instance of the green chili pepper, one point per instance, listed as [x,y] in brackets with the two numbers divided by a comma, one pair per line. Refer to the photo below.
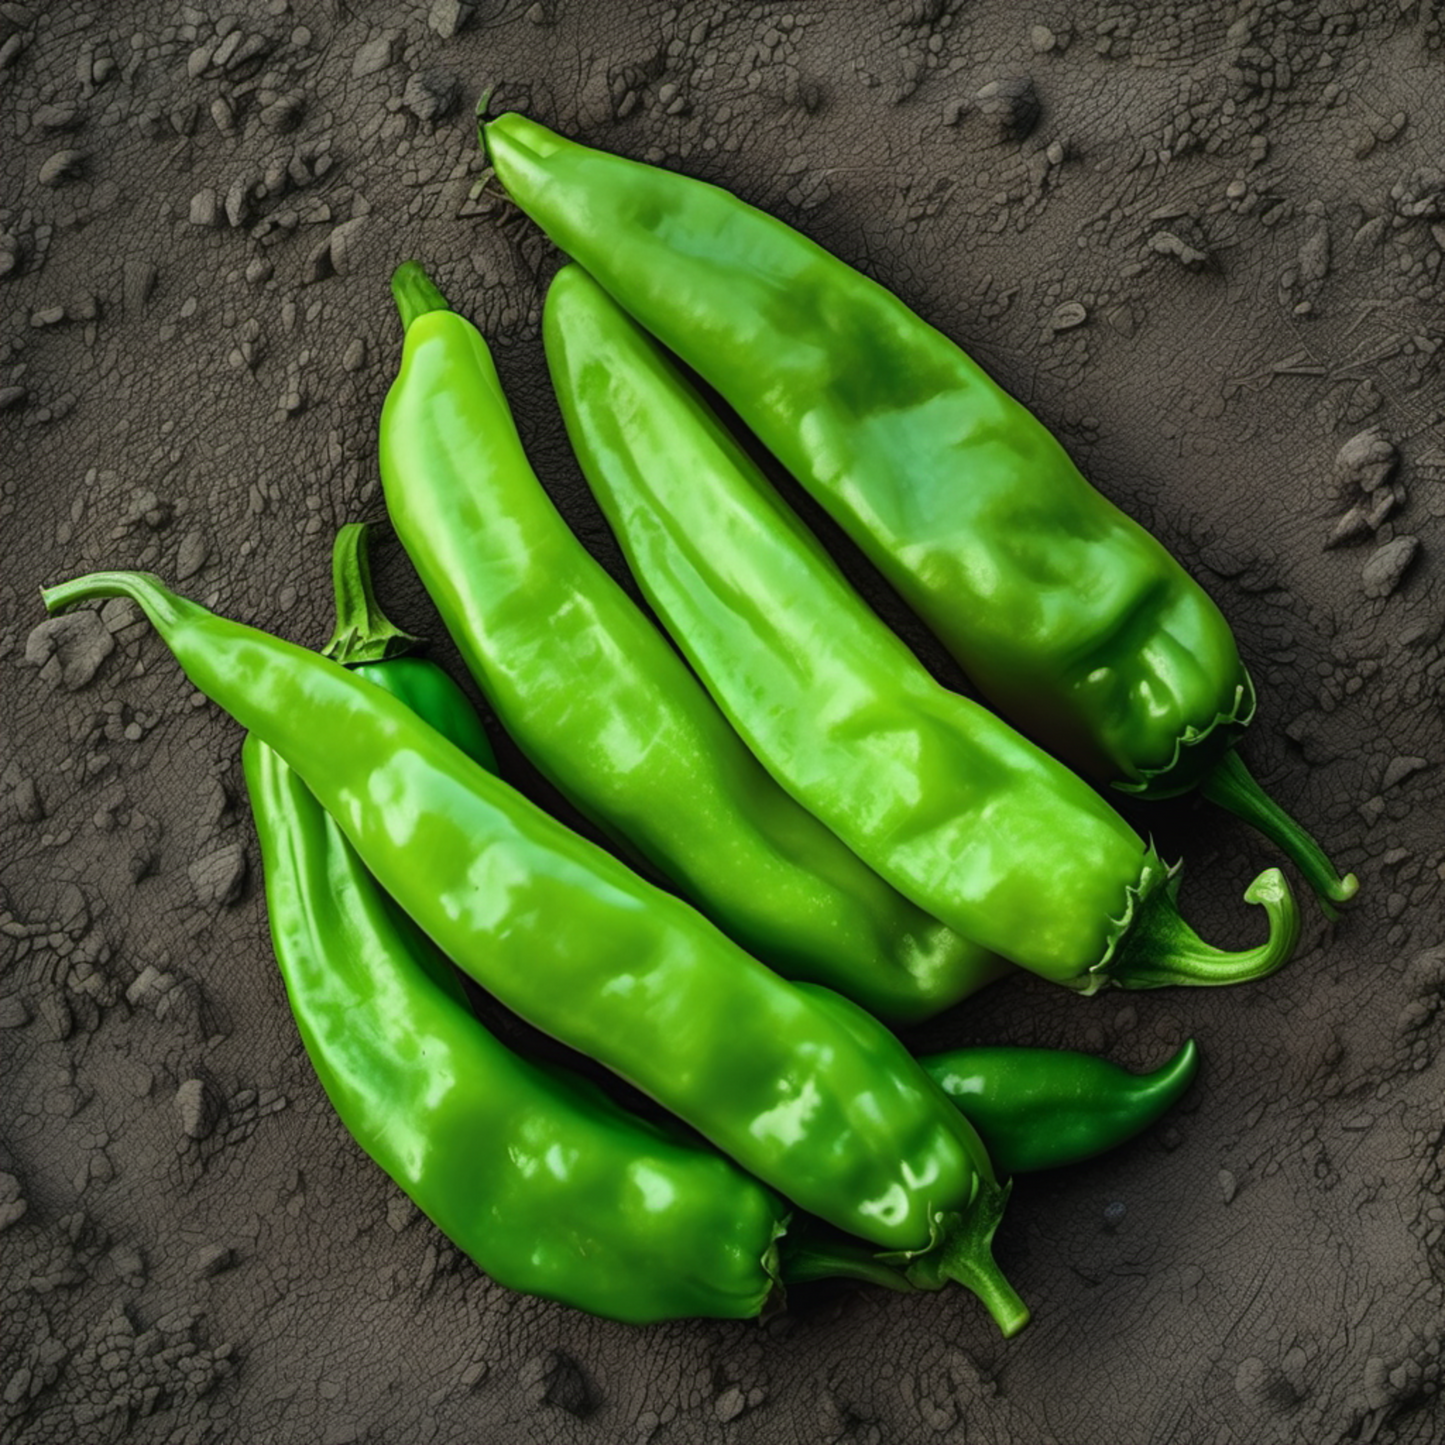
[544,1181]
[605,708]
[955,809]
[548,1186]
[1033,1108]
[803,1088]
[1043,1108]
[1070,618]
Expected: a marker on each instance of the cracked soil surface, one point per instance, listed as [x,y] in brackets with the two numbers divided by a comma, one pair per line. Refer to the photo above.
[1203,241]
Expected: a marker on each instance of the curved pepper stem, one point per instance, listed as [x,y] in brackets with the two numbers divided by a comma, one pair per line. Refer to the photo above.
[1162,950]
[162,607]
[415,293]
[363,633]
[1232,786]
[962,1251]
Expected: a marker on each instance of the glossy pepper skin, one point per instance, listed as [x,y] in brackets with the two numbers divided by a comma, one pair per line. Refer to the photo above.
[802,1088]
[969,819]
[545,1182]
[1072,620]
[1044,1108]
[1033,1108]
[534,1173]
[598,699]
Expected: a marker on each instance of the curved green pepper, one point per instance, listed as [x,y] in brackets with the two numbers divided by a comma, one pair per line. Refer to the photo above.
[605,708]
[801,1087]
[1070,618]
[1033,1108]
[1043,1108]
[532,1171]
[955,809]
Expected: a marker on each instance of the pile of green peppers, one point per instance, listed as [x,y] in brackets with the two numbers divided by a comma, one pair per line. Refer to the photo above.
[811,841]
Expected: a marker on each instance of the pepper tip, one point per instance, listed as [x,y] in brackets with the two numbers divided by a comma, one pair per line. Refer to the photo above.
[1269,887]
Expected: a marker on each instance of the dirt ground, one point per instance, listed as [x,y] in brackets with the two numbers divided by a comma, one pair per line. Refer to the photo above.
[1202,241]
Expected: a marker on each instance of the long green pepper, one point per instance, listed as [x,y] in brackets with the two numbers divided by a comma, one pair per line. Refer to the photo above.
[959,812]
[801,1087]
[604,707]
[1070,618]
[600,702]
[531,1170]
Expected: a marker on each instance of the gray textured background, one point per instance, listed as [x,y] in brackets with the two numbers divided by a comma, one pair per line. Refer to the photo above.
[1212,261]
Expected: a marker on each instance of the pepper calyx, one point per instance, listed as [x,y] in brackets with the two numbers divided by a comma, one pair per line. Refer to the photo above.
[1161,950]
[775,1301]
[1197,750]
[960,1248]
[1154,874]
[363,631]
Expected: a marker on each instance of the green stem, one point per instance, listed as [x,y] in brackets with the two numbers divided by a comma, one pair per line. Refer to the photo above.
[163,608]
[415,293]
[1231,785]
[962,1251]
[484,104]
[363,632]
[805,1256]
[1161,949]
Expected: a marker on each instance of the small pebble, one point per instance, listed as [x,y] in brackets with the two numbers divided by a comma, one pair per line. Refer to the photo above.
[1068,316]
[61,166]
[1386,567]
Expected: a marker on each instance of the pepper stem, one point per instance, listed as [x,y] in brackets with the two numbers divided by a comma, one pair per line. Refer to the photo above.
[363,631]
[963,1251]
[161,606]
[1232,786]
[415,293]
[1161,949]
[805,1256]
[484,104]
